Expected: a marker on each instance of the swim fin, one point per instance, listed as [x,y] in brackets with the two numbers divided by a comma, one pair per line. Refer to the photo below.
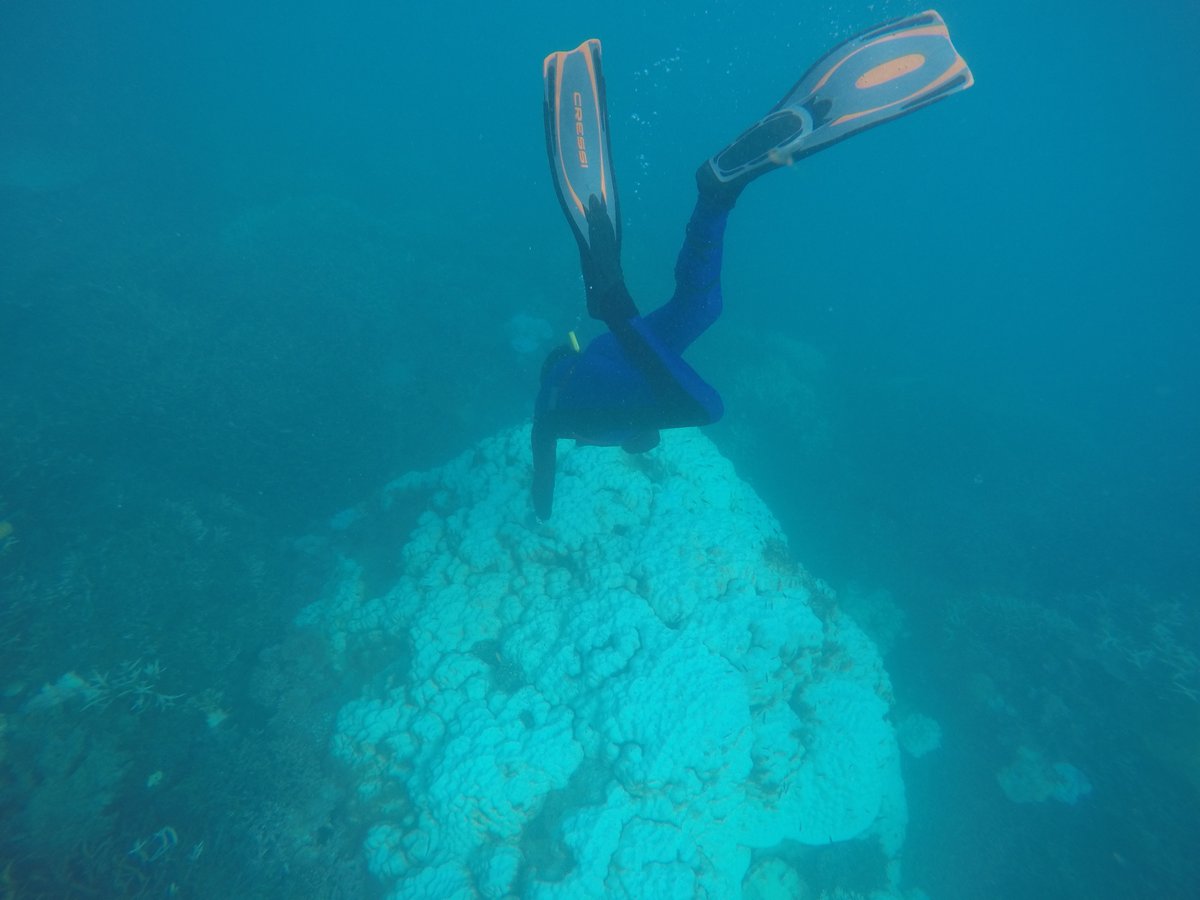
[577,138]
[886,72]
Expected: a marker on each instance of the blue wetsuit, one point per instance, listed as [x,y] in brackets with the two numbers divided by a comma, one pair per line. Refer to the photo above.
[631,382]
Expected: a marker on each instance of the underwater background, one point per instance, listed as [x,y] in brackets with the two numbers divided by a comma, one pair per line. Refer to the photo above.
[258,260]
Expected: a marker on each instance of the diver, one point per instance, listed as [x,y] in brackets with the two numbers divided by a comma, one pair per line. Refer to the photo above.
[632,381]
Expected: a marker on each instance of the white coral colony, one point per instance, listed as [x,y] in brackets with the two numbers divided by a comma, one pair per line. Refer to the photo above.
[641,699]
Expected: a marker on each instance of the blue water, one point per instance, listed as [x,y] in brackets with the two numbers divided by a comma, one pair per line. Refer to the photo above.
[257,261]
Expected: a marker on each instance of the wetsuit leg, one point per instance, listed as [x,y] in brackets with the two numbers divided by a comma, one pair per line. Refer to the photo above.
[655,343]
[697,301]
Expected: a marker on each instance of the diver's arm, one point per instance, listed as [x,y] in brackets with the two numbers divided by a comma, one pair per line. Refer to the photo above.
[547,429]
[545,445]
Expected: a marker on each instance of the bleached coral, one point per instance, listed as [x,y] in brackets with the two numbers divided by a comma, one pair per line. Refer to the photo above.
[631,700]
[1032,778]
[919,734]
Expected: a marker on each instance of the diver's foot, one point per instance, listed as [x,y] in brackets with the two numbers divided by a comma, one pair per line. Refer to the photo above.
[720,193]
[767,145]
[607,297]
[610,303]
